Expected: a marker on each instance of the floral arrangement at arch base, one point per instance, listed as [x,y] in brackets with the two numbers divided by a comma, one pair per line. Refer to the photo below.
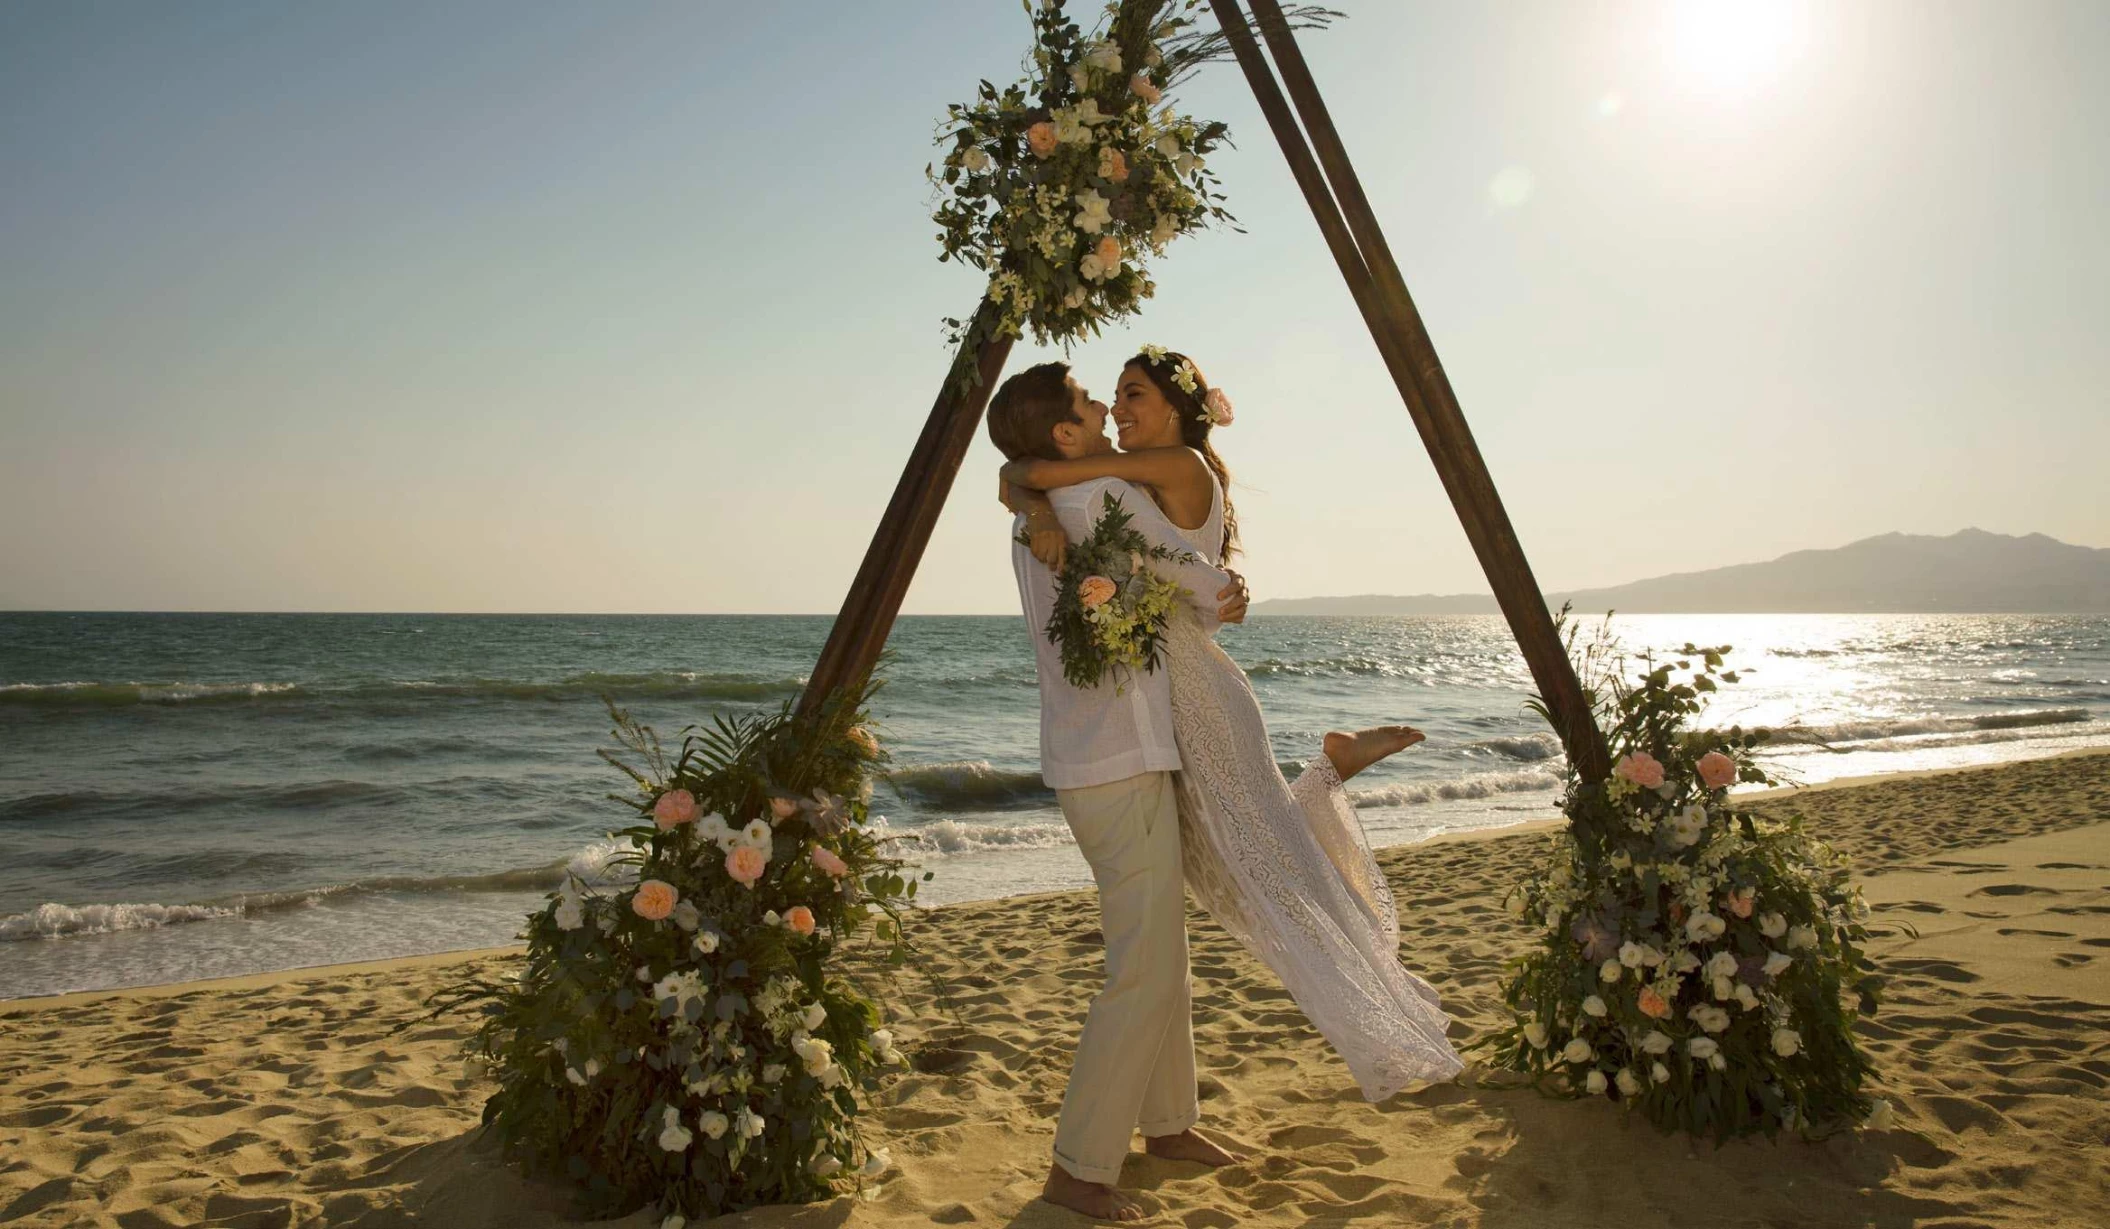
[1697,964]
[686,1038]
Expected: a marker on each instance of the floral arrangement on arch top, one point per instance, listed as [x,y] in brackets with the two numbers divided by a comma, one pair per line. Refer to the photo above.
[1062,186]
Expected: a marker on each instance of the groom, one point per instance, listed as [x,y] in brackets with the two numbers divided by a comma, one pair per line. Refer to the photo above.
[1110,758]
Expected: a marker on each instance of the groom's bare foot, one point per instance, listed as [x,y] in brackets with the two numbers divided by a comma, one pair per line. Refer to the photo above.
[1188,1146]
[1352,753]
[1094,1199]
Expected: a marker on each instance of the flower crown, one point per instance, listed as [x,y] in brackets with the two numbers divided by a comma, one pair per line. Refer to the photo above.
[1216,406]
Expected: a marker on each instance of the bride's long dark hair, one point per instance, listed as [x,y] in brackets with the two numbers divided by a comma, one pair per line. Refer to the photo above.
[1195,425]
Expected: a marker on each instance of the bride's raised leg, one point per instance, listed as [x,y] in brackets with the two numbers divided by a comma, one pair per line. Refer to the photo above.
[1352,753]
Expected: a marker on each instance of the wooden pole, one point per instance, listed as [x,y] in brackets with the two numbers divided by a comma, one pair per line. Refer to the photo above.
[867,616]
[1359,247]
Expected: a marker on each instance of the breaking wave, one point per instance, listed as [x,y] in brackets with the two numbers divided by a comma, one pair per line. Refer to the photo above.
[969,785]
[1479,785]
[670,684]
[1863,731]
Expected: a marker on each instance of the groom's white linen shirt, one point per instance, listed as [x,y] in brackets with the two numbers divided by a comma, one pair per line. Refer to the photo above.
[1091,736]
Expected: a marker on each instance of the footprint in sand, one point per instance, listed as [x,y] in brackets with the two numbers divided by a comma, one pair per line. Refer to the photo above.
[2015,889]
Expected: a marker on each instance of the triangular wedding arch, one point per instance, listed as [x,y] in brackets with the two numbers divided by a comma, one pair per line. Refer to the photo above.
[1320,164]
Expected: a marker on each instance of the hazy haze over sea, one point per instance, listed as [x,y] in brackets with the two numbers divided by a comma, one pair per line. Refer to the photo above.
[191,795]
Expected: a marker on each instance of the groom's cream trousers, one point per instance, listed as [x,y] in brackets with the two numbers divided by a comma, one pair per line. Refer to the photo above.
[1135,1059]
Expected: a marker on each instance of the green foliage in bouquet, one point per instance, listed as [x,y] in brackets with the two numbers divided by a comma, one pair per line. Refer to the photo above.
[687,1038]
[1696,963]
[1110,607]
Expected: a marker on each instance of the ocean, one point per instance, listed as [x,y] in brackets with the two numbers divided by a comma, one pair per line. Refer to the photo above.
[202,795]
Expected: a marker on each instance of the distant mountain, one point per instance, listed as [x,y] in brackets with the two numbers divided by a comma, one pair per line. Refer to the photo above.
[1971,572]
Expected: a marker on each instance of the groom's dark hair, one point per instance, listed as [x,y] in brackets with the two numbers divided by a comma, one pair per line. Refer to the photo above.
[1026,410]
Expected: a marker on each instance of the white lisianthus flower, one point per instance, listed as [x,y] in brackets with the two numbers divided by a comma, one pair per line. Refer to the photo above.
[706,943]
[1593,1007]
[1724,989]
[1629,1083]
[826,1166]
[1576,1051]
[1188,164]
[1703,926]
[1535,1034]
[1786,1042]
[1684,962]
[1657,1042]
[571,910]
[1881,1116]
[1596,1083]
[1722,964]
[1801,937]
[1777,962]
[1746,998]
[1609,971]
[757,834]
[1703,1047]
[772,1072]
[878,1162]
[1630,954]
[1659,1073]
[1093,212]
[1772,925]
[673,1136]
[814,1016]
[1687,826]
[975,159]
[712,1123]
[749,1124]
[714,829]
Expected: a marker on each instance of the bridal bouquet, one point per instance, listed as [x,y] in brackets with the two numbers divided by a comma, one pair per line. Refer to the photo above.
[1110,607]
[685,1036]
[1695,962]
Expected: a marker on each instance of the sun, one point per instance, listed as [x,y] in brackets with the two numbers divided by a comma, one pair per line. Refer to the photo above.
[1732,47]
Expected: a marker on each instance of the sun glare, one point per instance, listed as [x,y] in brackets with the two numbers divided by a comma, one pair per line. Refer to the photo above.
[1732,47]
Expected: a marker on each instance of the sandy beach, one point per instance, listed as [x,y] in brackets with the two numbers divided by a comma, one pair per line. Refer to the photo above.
[320,1097]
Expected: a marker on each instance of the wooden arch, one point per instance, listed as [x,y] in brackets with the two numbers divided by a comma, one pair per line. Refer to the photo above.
[1358,245]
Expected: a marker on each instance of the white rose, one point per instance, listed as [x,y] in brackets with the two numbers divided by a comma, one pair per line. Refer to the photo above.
[1724,989]
[706,943]
[1089,268]
[832,1078]
[1188,164]
[571,913]
[1168,146]
[1659,1073]
[1594,1007]
[1703,1047]
[878,1162]
[1881,1117]
[1772,925]
[882,1039]
[814,1016]
[976,160]
[1629,1083]
[1657,1042]
[1576,1051]
[1723,964]
[572,1074]
[1630,955]
[686,917]
[1703,926]
[1710,1018]
[757,834]
[1800,937]
[772,918]
[712,1123]
[1745,998]
[1786,1041]
[1596,1083]
[1535,1033]
[1609,971]
[673,1136]
[1075,298]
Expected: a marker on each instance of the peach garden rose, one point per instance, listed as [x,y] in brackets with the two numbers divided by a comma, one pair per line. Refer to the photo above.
[800,919]
[745,864]
[1641,768]
[674,808]
[1040,138]
[1716,770]
[654,900]
[1095,591]
[830,865]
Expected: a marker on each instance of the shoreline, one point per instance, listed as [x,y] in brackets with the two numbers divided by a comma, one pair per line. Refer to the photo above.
[1523,828]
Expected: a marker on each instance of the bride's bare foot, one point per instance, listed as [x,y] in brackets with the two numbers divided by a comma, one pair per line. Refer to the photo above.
[1188,1146]
[1093,1199]
[1352,753]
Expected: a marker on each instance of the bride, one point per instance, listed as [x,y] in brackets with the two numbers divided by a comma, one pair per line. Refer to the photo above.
[1284,867]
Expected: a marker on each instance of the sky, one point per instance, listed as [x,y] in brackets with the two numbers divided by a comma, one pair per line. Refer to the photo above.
[636,307]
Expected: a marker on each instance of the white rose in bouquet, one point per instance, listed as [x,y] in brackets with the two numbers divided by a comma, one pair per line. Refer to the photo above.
[1659,1073]
[1596,1083]
[1609,971]
[1703,926]
[1703,1047]
[1535,1033]
[877,1163]
[1801,937]
[1576,1051]
[1722,964]
[1629,1083]
[1594,1007]
[749,1124]
[673,1136]
[1786,1042]
[1772,925]
[1710,1018]
[1657,1042]
[713,1124]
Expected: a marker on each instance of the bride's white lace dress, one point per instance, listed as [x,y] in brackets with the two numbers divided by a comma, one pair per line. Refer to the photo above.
[1287,870]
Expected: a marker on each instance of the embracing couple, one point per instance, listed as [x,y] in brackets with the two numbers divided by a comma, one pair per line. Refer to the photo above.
[1169,783]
